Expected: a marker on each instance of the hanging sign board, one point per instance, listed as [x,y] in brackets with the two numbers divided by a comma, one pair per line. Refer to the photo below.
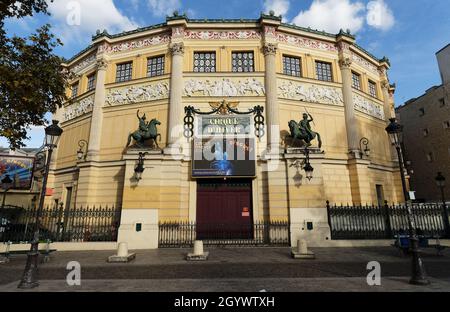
[235,125]
[19,169]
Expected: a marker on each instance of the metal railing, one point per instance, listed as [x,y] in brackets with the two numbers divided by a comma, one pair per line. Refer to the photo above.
[84,224]
[261,233]
[384,221]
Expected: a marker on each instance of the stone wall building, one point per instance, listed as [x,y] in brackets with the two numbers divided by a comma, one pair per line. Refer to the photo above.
[426,121]
[287,70]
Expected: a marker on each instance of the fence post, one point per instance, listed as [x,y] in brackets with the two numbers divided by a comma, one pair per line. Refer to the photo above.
[387,219]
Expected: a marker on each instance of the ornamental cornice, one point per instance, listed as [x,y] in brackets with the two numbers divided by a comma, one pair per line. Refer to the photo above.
[78,67]
[134,44]
[364,63]
[304,42]
[221,34]
[308,92]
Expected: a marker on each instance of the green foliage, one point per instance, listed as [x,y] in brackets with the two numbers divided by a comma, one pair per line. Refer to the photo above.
[32,80]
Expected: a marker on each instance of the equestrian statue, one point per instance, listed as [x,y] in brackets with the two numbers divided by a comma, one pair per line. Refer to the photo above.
[146,131]
[302,130]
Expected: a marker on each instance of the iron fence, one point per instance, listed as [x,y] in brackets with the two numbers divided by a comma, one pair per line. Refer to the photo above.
[84,224]
[262,233]
[384,221]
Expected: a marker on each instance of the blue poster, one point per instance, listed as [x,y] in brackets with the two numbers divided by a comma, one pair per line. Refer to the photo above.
[19,169]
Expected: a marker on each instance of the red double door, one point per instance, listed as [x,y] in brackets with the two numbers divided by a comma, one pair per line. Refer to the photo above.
[224,209]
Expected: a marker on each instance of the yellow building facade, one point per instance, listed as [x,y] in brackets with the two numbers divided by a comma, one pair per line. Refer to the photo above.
[287,70]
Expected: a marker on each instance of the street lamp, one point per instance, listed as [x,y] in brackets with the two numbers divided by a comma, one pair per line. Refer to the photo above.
[29,278]
[139,169]
[394,129]
[366,151]
[440,181]
[307,166]
[6,183]
[82,151]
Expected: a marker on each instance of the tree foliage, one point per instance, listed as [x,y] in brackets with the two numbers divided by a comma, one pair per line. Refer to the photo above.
[32,81]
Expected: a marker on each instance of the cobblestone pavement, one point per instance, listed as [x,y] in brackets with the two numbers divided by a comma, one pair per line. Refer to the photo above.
[234,269]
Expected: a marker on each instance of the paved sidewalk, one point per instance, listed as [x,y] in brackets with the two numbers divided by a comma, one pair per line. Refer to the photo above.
[234,269]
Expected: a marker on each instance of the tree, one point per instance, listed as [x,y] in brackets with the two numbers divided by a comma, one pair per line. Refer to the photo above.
[32,80]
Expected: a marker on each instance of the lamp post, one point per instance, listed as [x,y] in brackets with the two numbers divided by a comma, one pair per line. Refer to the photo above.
[440,181]
[82,151]
[307,166]
[139,169]
[6,183]
[394,129]
[29,278]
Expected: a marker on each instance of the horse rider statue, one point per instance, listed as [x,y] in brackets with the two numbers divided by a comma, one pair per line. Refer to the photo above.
[146,131]
[303,131]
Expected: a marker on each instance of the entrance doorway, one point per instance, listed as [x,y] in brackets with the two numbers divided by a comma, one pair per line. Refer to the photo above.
[224,209]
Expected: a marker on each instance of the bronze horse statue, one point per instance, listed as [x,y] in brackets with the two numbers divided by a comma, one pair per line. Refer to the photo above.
[145,132]
[303,132]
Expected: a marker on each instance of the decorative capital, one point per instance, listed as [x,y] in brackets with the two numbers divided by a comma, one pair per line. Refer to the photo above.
[177,48]
[385,84]
[345,63]
[102,64]
[270,49]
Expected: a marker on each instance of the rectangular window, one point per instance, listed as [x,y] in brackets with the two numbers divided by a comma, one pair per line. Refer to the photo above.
[421,111]
[124,72]
[380,194]
[74,90]
[430,157]
[323,71]
[441,102]
[292,66]
[356,81]
[425,132]
[155,66]
[372,88]
[446,124]
[243,62]
[204,62]
[91,82]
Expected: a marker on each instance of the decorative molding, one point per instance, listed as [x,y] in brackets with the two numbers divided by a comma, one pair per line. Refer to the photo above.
[136,94]
[134,44]
[343,46]
[270,49]
[345,63]
[224,87]
[177,48]
[305,42]
[79,108]
[368,107]
[310,93]
[221,35]
[269,31]
[84,63]
[102,64]
[178,32]
[364,63]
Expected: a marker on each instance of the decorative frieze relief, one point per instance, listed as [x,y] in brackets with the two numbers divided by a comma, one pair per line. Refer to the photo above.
[368,107]
[364,63]
[224,87]
[78,108]
[306,42]
[134,44]
[137,94]
[221,35]
[310,93]
[84,63]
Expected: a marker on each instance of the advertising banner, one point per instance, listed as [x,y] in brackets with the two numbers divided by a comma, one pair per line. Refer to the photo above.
[224,157]
[19,169]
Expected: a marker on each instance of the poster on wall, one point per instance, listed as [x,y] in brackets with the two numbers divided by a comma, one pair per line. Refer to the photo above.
[19,169]
[224,157]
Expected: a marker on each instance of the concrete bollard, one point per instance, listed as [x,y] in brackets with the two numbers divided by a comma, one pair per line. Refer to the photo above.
[301,252]
[122,254]
[122,250]
[198,253]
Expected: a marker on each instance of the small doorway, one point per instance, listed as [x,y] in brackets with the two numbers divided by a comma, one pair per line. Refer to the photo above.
[380,194]
[224,209]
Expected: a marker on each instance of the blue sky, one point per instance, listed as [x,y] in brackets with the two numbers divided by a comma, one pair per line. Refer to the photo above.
[408,32]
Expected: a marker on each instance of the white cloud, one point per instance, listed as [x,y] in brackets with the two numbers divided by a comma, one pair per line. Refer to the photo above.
[77,19]
[163,7]
[280,7]
[379,15]
[332,15]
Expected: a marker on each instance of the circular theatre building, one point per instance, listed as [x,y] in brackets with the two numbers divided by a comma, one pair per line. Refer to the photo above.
[224,130]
